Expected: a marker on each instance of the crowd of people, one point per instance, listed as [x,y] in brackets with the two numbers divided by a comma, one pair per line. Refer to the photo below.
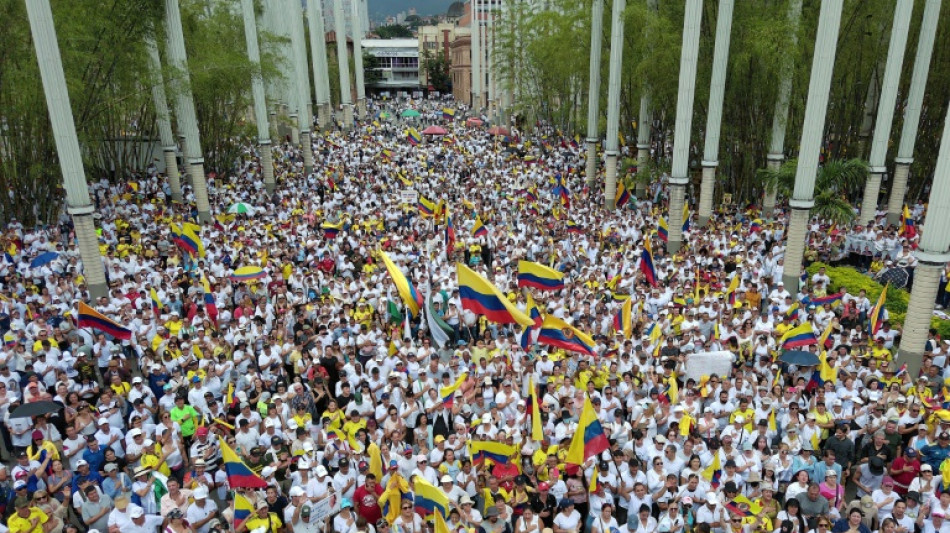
[324,385]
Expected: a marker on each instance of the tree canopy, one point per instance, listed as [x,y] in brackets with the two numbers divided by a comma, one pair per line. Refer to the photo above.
[549,79]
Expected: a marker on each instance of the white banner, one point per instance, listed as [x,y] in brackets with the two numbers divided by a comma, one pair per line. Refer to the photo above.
[708,363]
[324,508]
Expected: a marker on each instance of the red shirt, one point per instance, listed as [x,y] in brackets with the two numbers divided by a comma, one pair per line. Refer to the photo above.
[367,503]
[903,479]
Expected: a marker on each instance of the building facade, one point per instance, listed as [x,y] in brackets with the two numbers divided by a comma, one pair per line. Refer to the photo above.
[398,64]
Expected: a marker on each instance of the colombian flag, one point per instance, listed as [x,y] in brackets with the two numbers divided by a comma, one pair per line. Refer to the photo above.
[663,230]
[90,318]
[623,195]
[832,299]
[731,291]
[248,273]
[558,333]
[210,305]
[539,277]
[9,339]
[448,114]
[449,233]
[426,207]
[589,439]
[156,302]
[239,475]
[792,312]
[713,472]
[243,509]
[907,221]
[533,311]
[685,217]
[877,313]
[387,154]
[535,314]
[756,226]
[799,336]
[496,452]
[330,231]
[647,266]
[429,499]
[413,136]
[573,227]
[190,240]
[448,393]
[623,320]
[481,297]
[407,291]
[825,340]
[479,230]
[534,409]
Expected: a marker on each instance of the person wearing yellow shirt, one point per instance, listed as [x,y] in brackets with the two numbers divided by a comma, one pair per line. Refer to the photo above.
[262,519]
[352,426]
[29,519]
[878,351]
[174,325]
[823,419]
[363,313]
[747,414]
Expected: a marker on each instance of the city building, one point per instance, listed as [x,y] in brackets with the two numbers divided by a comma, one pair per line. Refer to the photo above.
[460,54]
[398,64]
[435,40]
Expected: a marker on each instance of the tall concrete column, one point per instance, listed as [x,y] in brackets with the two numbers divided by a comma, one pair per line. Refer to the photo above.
[257,88]
[717,91]
[885,109]
[933,254]
[644,126]
[318,49]
[593,93]
[611,149]
[776,155]
[918,82]
[822,67]
[185,108]
[302,79]
[162,117]
[476,47]
[357,10]
[78,204]
[679,177]
[343,58]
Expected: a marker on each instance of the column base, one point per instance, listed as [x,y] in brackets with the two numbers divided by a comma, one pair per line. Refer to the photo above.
[324,116]
[893,219]
[610,181]
[591,162]
[93,270]
[267,165]
[347,117]
[702,221]
[171,170]
[919,313]
[361,108]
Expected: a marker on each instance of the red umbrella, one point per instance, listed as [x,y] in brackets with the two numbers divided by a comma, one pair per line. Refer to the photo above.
[498,130]
[471,122]
[434,130]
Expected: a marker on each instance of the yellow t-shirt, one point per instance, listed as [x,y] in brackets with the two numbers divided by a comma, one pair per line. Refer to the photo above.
[271,524]
[822,419]
[748,415]
[18,524]
[38,345]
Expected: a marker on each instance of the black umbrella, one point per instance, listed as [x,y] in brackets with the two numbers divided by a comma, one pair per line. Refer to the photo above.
[799,357]
[35,409]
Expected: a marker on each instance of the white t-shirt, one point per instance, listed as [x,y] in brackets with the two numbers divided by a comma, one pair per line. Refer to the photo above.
[568,522]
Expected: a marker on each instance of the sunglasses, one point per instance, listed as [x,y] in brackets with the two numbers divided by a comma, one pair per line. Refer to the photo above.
[407,508]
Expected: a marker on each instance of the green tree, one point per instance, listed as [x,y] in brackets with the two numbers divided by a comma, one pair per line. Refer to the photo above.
[393,31]
[837,180]
[371,72]
[437,67]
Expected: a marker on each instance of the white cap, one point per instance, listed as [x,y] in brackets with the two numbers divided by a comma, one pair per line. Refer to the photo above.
[200,493]
[296,491]
[321,470]
[268,471]
[136,379]
[711,496]
[486,418]
[269,423]
[135,511]
[446,479]
[103,420]
[135,432]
